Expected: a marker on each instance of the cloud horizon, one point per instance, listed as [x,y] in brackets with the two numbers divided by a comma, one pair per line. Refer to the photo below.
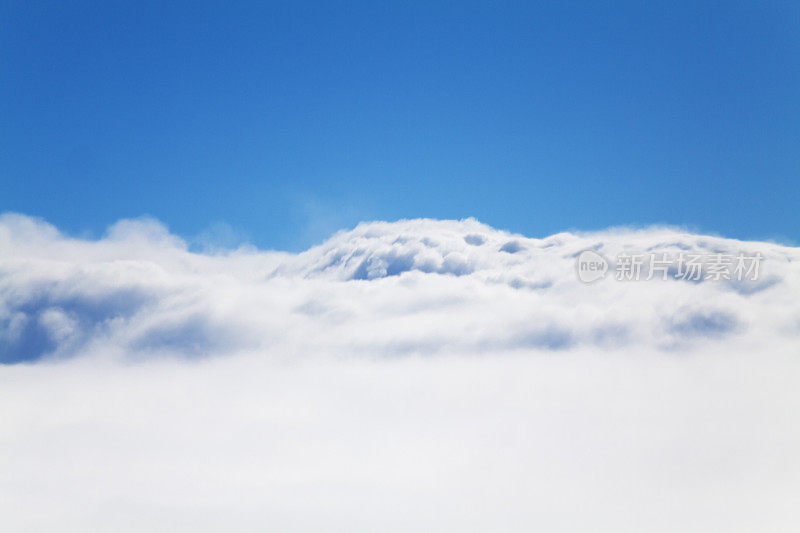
[405,376]
[414,286]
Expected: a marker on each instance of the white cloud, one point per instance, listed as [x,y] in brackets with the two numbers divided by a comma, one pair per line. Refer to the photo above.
[434,375]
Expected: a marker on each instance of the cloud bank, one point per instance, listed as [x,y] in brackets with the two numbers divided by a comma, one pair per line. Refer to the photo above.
[412,287]
[421,374]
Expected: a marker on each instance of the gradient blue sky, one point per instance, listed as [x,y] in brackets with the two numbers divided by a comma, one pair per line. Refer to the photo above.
[289,120]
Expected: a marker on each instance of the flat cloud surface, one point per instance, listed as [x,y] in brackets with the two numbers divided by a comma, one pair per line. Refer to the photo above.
[417,375]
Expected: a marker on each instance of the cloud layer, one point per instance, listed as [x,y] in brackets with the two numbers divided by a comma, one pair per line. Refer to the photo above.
[418,286]
[416,375]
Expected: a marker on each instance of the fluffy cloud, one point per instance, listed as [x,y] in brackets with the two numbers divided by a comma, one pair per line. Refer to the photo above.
[421,374]
[418,286]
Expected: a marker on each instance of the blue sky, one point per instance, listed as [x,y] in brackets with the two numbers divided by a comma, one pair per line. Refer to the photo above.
[290,120]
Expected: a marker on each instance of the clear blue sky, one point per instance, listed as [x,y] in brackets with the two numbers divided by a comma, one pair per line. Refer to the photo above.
[288,120]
